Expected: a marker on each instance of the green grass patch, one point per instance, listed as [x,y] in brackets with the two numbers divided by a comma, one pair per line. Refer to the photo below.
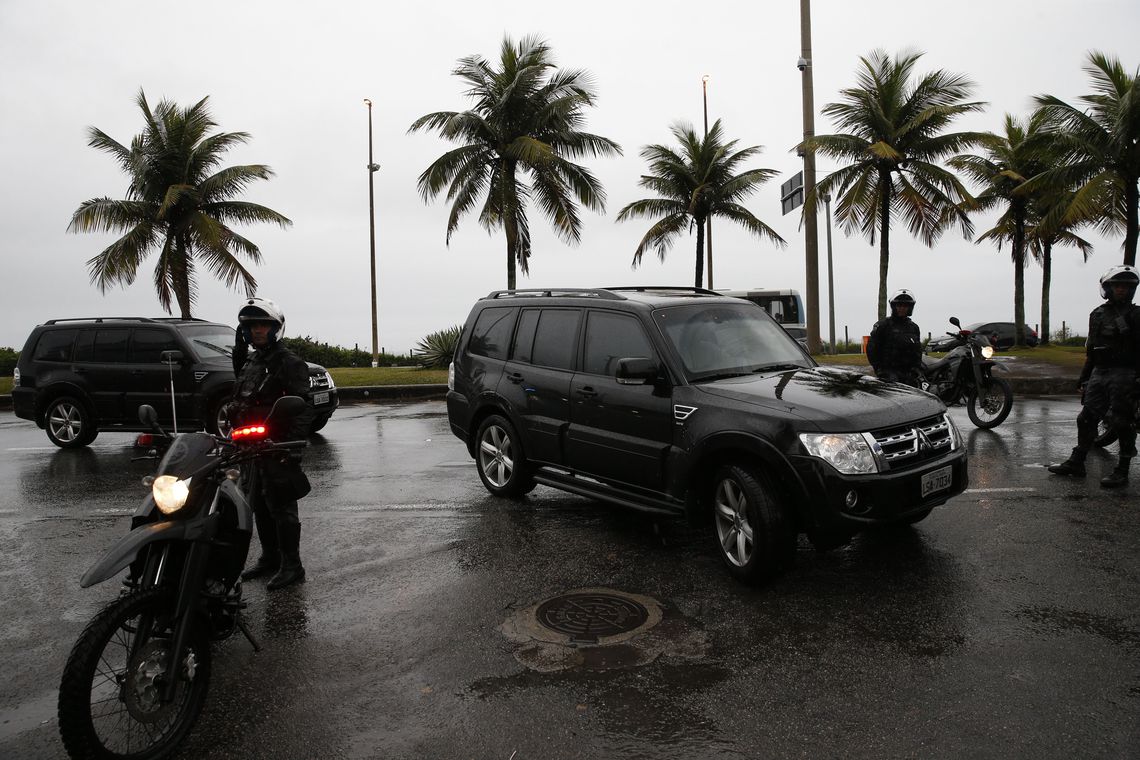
[355,376]
[1066,356]
[5,385]
[859,360]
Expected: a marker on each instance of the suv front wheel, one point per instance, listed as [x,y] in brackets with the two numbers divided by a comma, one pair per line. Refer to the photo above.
[499,459]
[68,423]
[753,535]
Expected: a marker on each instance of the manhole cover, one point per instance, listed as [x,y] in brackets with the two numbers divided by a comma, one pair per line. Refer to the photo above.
[587,616]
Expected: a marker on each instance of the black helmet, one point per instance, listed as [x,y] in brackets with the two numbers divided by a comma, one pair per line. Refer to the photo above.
[1121,275]
[261,310]
[904,297]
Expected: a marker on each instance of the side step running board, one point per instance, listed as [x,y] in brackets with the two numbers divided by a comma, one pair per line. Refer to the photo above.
[602,493]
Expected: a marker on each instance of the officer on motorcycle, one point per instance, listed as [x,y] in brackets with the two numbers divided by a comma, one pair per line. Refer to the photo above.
[268,372]
[895,347]
[1108,380]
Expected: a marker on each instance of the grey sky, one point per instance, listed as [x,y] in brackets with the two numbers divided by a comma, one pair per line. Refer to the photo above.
[294,75]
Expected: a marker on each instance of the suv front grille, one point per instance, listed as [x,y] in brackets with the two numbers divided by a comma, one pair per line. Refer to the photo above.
[912,444]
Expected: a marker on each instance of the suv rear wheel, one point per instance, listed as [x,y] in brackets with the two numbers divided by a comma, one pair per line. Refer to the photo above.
[68,423]
[499,459]
[752,532]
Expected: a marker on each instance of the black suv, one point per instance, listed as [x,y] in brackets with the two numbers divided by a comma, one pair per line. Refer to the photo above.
[76,377]
[682,401]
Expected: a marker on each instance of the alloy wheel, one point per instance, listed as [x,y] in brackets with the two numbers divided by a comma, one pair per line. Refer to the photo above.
[66,421]
[733,529]
[495,457]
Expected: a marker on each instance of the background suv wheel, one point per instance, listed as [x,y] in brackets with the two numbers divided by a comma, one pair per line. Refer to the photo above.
[68,423]
[499,459]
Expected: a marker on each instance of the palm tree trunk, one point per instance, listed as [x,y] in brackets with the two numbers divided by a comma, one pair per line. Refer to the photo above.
[510,224]
[1019,279]
[181,279]
[699,279]
[1132,228]
[512,231]
[1046,277]
[884,240]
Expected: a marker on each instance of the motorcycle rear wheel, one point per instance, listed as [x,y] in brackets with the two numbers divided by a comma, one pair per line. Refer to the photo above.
[110,702]
[1105,433]
[990,410]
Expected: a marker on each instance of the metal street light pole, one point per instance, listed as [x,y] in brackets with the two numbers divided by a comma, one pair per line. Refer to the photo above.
[372,169]
[811,238]
[708,221]
[830,274]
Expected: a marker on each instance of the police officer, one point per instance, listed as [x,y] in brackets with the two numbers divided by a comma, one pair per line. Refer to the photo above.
[895,347]
[265,374]
[1108,380]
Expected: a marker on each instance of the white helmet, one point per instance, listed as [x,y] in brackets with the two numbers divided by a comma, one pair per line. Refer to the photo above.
[1122,274]
[905,297]
[261,310]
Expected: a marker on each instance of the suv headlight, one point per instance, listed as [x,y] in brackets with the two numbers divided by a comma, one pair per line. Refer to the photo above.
[170,493]
[329,380]
[850,453]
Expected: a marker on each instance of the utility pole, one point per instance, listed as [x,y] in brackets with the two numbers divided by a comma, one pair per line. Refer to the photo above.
[708,220]
[811,240]
[372,169]
[830,274]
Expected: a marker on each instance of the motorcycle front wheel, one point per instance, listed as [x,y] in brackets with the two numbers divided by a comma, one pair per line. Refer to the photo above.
[111,696]
[989,407]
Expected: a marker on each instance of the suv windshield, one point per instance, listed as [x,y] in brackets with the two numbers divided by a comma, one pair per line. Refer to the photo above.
[210,341]
[728,340]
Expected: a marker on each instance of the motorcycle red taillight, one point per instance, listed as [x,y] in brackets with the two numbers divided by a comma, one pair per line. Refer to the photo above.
[248,432]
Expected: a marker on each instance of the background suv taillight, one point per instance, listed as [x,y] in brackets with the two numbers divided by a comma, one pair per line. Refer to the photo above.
[16,377]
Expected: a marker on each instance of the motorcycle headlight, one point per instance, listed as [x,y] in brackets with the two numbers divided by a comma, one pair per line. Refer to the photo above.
[170,493]
[850,453]
[987,352]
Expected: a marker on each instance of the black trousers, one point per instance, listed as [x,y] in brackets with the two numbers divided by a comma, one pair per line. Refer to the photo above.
[1110,391]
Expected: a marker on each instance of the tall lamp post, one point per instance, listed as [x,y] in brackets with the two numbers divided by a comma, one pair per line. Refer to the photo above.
[708,220]
[811,238]
[372,169]
[830,274]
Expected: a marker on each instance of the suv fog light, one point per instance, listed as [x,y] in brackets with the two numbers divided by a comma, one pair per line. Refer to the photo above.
[851,500]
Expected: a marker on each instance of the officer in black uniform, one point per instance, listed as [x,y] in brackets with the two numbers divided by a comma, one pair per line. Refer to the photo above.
[264,375]
[1108,380]
[895,347]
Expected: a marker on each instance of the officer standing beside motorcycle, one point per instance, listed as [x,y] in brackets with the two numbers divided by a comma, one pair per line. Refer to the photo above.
[895,347]
[1108,380]
[267,373]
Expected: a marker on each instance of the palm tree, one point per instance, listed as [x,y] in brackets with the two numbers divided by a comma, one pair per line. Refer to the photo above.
[527,117]
[179,203]
[1101,149]
[1008,162]
[695,184]
[1042,236]
[894,133]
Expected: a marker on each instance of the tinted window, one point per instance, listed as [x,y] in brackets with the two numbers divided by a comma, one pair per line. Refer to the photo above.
[110,345]
[209,341]
[492,333]
[554,342]
[610,337]
[147,345]
[524,336]
[55,346]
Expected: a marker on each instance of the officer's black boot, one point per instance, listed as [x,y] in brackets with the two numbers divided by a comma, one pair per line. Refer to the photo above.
[1118,478]
[1074,466]
[270,559]
[292,571]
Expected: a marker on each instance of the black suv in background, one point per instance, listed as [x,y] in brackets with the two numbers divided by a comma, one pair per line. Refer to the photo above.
[76,377]
[683,401]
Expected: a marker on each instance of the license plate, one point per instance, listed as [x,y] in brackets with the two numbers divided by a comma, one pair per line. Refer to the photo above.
[323,398]
[939,480]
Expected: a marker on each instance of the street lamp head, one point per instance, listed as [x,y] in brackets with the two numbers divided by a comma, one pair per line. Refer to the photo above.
[373,167]
[368,102]
[705,78]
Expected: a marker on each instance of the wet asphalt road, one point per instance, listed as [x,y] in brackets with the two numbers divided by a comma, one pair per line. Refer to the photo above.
[1007,624]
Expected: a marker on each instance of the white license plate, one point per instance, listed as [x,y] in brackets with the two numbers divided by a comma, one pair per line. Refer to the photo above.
[939,480]
[323,398]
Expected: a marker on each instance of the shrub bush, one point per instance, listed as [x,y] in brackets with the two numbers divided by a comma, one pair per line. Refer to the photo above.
[336,356]
[8,359]
[436,349]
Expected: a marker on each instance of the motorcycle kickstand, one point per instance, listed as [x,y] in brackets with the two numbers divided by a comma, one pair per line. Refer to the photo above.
[248,634]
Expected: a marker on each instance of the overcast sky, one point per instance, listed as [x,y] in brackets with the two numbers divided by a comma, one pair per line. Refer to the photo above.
[294,76]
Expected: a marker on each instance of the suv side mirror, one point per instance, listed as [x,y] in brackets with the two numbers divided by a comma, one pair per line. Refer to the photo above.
[636,371]
[171,357]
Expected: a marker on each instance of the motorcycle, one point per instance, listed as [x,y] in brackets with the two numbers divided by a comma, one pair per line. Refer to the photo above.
[136,679]
[1106,434]
[965,376]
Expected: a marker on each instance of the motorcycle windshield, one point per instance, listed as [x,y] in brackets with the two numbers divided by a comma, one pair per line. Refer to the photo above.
[188,453]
